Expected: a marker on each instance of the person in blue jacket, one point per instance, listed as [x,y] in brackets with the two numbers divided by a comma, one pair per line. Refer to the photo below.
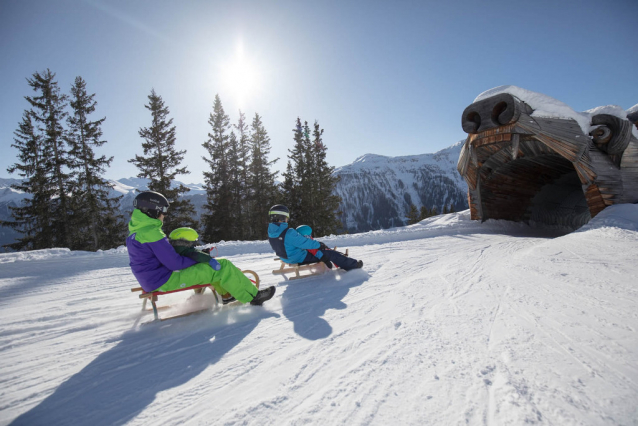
[292,247]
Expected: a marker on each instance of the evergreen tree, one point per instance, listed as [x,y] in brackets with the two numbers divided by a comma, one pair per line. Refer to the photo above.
[160,164]
[48,111]
[413,215]
[434,211]
[445,209]
[451,208]
[32,217]
[289,189]
[424,213]
[309,182]
[45,220]
[324,204]
[97,221]
[294,176]
[234,231]
[241,191]
[218,217]
[262,190]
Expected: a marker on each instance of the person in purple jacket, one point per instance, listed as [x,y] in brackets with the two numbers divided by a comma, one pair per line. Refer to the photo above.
[158,267]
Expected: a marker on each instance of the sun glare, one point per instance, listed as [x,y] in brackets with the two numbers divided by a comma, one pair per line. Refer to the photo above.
[240,78]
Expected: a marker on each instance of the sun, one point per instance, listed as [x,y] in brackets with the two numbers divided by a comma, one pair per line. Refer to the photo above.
[240,77]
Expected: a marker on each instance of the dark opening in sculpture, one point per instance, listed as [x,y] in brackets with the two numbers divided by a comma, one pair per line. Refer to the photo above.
[521,167]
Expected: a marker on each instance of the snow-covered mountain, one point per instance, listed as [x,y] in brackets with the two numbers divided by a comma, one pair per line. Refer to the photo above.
[450,321]
[377,191]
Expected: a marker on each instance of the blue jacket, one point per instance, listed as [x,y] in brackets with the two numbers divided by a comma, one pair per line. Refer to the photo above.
[296,245]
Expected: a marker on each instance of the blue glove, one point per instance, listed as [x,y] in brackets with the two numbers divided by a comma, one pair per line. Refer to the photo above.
[215,264]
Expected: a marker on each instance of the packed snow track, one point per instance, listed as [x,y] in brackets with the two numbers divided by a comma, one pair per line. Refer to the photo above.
[450,322]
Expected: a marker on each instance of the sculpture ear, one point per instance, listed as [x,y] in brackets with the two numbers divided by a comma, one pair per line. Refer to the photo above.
[612,134]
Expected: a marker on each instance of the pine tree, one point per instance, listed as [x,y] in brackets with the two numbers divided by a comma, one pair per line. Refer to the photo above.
[218,216]
[235,212]
[160,164]
[324,204]
[97,221]
[413,215]
[241,191]
[445,209]
[32,217]
[48,111]
[289,189]
[451,208]
[309,182]
[294,177]
[262,190]
[45,220]
[424,213]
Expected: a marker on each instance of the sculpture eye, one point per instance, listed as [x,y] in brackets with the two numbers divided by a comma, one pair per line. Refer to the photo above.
[499,109]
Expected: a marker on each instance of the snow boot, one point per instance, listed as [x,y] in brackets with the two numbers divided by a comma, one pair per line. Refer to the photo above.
[359,264]
[228,299]
[263,295]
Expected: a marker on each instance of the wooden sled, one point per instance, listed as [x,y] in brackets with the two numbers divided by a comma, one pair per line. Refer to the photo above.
[286,268]
[199,289]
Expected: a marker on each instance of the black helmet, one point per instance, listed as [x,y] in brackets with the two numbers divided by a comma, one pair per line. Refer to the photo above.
[278,213]
[152,204]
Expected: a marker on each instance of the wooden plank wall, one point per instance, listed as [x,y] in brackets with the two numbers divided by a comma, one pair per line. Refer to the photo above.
[506,166]
[629,170]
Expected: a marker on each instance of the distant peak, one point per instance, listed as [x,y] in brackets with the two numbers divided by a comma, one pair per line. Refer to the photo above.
[370,157]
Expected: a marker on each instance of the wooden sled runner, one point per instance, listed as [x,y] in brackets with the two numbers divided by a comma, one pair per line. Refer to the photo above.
[314,268]
[199,289]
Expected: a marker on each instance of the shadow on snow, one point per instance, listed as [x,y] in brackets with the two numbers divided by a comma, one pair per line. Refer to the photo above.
[121,382]
[304,302]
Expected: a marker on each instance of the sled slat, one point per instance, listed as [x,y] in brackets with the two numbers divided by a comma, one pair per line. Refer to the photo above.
[153,296]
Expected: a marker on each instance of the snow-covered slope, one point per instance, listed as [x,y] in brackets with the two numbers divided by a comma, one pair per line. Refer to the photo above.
[377,191]
[450,322]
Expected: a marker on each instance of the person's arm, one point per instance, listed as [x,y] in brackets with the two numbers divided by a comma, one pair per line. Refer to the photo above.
[167,256]
[197,256]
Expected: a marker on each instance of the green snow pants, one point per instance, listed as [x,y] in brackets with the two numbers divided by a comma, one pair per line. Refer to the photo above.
[229,279]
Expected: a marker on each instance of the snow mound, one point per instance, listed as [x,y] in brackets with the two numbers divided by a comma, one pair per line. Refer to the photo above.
[622,216]
[53,253]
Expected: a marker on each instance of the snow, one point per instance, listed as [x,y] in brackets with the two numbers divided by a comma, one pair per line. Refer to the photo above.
[370,162]
[120,187]
[548,107]
[451,321]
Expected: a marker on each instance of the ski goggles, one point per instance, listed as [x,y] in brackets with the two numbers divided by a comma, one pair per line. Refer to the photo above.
[272,212]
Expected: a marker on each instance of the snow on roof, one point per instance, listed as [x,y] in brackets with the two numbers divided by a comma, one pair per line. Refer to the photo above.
[548,107]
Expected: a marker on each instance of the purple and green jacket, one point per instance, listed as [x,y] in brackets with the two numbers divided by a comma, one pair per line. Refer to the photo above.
[152,257]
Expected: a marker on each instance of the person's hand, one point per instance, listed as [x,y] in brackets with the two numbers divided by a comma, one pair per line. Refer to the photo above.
[215,264]
[322,246]
[207,250]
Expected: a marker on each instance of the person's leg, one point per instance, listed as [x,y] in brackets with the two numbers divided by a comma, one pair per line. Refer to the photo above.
[342,261]
[229,279]
[310,258]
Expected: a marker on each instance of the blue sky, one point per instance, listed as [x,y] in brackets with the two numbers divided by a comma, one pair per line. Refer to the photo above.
[383,77]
